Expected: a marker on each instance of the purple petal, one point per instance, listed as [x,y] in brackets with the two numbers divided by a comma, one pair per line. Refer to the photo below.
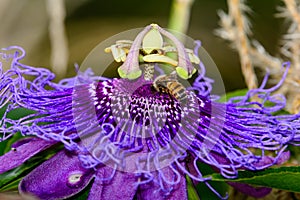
[21,151]
[22,141]
[121,187]
[285,156]
[268,160]
[256,192]
[153,190]
[59,177]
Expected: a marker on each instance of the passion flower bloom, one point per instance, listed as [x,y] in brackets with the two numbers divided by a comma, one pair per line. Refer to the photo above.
[130,139]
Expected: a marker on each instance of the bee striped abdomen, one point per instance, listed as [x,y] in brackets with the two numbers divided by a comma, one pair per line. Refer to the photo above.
[177,90]
[169,84]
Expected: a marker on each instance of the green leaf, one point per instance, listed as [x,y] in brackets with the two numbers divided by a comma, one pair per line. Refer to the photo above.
[192,192]
[12,186]
[19,113]
[204,191]
[14,114]
[284,178]
[243,92]
[281,112]
[3,146]
[295,153]
[2,110]
[236,93]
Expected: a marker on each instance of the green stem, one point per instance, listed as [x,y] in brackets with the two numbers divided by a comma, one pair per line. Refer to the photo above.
[180,15]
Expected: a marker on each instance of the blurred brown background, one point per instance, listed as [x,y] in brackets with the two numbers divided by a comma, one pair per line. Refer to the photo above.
[88,22]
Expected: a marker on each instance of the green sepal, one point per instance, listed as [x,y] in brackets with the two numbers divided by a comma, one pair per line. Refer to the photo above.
[182,72]
[191,190]
[131,76]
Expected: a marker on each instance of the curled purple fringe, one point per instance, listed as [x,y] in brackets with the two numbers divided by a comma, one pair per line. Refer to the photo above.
[245,125]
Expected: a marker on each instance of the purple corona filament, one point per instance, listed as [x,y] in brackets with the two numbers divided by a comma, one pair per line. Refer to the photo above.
[112,125]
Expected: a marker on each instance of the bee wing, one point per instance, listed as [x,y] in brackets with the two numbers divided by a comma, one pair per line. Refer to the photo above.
[160,58]
[163,80]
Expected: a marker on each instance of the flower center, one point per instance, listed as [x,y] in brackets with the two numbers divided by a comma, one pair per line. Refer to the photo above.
[147,105]
[137,110]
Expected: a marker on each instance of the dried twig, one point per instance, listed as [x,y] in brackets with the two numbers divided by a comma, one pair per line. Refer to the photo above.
[59,51]
[292,8]
[263,59]
[292,39]
[257,53]
[235,28]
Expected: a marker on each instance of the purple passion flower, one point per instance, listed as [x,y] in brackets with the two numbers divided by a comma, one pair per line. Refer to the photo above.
[128,138]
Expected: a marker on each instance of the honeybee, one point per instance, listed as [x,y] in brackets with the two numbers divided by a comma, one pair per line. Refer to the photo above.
[170,84]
